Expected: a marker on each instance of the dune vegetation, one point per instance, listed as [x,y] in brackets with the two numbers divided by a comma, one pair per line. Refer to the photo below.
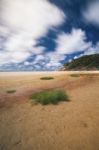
[46,78]
[49,97]
[89,62]
[11,91]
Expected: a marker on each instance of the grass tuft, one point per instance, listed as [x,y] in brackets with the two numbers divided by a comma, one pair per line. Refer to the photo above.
[46,78]
[49,97]
[75,75]
[11,91]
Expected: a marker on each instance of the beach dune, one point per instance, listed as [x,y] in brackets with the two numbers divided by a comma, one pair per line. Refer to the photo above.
[72,125]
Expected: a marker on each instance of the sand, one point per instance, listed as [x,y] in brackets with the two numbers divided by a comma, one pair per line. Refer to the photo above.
[70,125]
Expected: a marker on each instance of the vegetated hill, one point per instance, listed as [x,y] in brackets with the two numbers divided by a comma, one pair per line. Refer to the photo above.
[89,62]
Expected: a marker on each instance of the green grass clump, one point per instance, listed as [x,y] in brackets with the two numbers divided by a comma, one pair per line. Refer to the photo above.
[46,78]
[75,75]
[11,91]
[49,97]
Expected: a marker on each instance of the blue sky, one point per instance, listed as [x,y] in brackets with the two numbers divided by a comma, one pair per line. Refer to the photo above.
[40,35]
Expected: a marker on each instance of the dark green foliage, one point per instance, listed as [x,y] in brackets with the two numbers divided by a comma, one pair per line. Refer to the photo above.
[89,62]
[11,91]
[46,78]
[49,97]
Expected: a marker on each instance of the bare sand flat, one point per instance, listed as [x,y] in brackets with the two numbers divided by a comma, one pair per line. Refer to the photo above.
[70,125]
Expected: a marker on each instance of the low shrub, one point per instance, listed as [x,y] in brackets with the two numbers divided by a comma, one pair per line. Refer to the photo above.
[75,75]
[11,91]
[46,78]
[49,97]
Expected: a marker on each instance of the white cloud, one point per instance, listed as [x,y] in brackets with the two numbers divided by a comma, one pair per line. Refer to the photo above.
[19,42]
[75,57]
[38,50]
[54,60]
[24,21]
[68,43]
[38,58]
[92,50]
[50,60]
[13,57]
[26,63]
[91,13]
[51,64]
[31,15]
[4,31]
[55,57]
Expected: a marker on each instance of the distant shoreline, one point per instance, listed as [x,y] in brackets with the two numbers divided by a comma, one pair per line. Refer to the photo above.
[48,72]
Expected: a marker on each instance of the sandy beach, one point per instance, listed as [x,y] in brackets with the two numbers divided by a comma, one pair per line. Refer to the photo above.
[70,125]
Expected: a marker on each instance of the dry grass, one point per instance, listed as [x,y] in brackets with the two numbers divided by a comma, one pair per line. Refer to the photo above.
[46,78]
[75,75]
[11,91]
